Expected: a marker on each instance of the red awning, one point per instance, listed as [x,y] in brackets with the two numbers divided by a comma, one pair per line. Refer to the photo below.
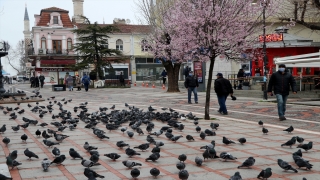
[72,61]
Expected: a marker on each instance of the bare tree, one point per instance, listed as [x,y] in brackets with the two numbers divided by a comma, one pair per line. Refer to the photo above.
[303,12]
[16,57]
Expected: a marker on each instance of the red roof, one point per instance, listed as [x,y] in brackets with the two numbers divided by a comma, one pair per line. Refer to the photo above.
[45,17]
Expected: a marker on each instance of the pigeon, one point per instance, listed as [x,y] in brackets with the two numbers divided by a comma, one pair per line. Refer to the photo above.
[176,138]
[43,124]
[154,172]
[285,165]
[60,137]
[14,154]
[291,142]
[55,151]
[12,163]
[38,133]
[158,143]
[227,141]
[265,174]
[91,175]
[248,163]
[131,152]
[130,164]
[24,138]
[236,176]
[300,139]
[45,164]
[181,166]
[209,132]
[306,147]
[198,161]
[198,128]
[49,143]
[30,154]
[182,157]
[300,162]
[15,128]
[135,173]
[227,156]
[155,149]
[59,160]
[153,157]
[112,156]
[24,126]
[289,129]
[94,158]
[298,153]
[130,134]
[183,174]
[242,140]
[189,138]
[123,129]
[3,129]
[202,135]
[6,141]
[158,133]
[87,147]
[74,154]
[88,163]
[139,131]
[265,131]
[121,144]
[143,147]
[45,135]
[260,123]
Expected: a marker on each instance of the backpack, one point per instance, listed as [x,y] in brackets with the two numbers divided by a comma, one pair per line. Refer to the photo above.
[86,80]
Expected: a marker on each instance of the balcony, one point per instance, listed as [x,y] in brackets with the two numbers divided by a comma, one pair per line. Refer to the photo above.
[51,52]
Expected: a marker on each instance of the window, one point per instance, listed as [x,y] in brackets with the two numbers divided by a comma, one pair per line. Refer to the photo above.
[69,44]
[43,43]
[105,44]
[55,20]
[144,46]
[119,45]
[56,47]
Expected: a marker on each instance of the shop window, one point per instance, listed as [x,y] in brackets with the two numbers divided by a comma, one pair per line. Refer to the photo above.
[119,45]
[43,43]
[69,43]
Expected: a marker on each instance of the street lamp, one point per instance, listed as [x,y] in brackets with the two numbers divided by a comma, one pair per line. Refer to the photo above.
[3,52]
[264,4]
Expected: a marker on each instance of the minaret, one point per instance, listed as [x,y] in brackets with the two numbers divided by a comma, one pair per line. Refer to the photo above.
[77,11]
[26,32]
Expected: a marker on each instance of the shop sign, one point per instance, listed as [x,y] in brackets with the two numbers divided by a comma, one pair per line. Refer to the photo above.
[197,66]
[272,37]
[53,69]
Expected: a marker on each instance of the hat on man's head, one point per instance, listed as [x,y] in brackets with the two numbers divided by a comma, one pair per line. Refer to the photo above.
[219,74]
[282,65]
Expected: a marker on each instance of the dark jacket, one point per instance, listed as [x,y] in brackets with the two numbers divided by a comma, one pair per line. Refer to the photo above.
[191,81]
[222,86]
[42,78]
[240,74]
[186,71]
[84,78]
[280,83]
[121,78]
[164,74]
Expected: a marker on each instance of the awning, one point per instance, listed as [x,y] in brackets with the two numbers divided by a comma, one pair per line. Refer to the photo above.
[63,61]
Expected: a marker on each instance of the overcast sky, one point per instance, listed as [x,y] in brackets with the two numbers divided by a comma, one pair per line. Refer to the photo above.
[12,15]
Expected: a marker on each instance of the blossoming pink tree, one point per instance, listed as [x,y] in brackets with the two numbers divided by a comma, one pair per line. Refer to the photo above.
[201,30]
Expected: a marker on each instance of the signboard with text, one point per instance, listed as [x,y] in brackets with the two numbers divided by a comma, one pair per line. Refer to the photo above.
[197,66]
[53,69]
[271,37]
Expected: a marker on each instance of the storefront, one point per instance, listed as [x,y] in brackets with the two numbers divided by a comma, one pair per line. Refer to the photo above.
[148,67]
[54,75]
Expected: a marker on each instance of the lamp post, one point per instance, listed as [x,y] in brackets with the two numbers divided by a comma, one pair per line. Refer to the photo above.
[3,52]
[264,4]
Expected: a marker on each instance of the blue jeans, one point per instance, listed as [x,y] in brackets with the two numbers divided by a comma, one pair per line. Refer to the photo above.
[281,100]
[222,103]
[70,88]
[194,90]
[86,86]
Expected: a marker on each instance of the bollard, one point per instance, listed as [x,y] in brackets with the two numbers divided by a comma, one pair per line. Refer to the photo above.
[142,84]
[163,87]
[147,85]
[135,84]
[153,86]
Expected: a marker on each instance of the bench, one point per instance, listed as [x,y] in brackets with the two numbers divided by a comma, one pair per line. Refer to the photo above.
[58,87]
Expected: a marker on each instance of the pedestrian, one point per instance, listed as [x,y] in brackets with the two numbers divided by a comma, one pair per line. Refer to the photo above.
[70,82]
[86,82]
[240,77]
[121,79]
[41,78]
[280,82]
[191,83]
[164,76]
[186,71]
[78,82]
[32,84]
[36,81]
[223,89]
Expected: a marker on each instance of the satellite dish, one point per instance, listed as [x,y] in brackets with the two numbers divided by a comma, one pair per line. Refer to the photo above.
[128,21]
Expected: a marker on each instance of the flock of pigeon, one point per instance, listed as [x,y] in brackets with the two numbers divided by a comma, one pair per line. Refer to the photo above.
[130,121]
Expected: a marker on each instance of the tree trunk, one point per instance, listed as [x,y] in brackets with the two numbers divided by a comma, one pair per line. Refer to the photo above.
[172,75]
[207,105]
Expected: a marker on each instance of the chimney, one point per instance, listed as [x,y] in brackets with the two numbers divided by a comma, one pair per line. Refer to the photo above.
[77,11]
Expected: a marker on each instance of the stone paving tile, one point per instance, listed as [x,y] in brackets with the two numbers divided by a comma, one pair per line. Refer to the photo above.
[242,122]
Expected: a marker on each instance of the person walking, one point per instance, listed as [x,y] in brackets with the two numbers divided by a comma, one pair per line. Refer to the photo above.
[32,83]
[191,83]
[36,81]
[86,82]
[121,79]
[70,82]
[223,89]
[240,77]
[78,82]
[186,71]
[41,78]
[164,76]
[280,82]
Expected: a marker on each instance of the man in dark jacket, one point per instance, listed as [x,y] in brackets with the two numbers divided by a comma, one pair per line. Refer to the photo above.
[191,83]
[240,77]
[121,79]
[41,78]
[86,82]
[280,82]
[223,88]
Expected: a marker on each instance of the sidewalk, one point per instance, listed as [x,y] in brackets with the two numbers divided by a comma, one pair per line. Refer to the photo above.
[242,121]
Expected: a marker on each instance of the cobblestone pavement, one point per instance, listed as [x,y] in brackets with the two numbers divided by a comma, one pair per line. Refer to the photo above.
[241,122]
